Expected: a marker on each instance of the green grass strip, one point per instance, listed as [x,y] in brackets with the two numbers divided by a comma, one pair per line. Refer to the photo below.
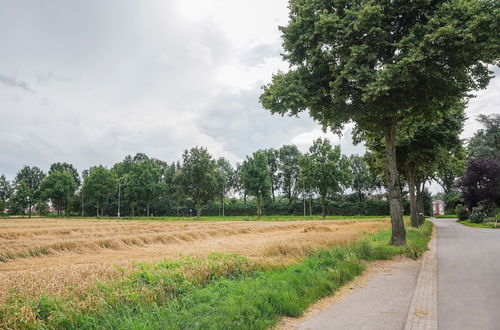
[235,298]
[489,225]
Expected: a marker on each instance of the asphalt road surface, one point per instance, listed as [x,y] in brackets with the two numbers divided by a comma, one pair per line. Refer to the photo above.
[468,276]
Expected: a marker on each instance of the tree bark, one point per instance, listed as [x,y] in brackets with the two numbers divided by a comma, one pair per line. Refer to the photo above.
[395,202]
[259,207]
[198,211]
[420,202]
[147,209]
[310,206]
[411,177]
[322,200]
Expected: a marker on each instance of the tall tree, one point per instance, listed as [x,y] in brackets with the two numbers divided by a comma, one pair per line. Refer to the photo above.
[272,156]
[421,148]
[98,186]
[5,192]
[225,173]
[379,62]
[142,182]
[256,178]
[199,177]
[21,199]
[486,142]
[362,179]
[68,168]
[32,178]
[289,166]
[326,169]
[59,187]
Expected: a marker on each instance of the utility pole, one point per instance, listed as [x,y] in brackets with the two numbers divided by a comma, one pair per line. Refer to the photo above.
[119,196]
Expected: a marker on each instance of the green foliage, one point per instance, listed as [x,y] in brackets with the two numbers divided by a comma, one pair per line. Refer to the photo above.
[461,212]
[68,168]
[326,169]
[199,176]
[289,156]
[363,181]
[272,156]
[59,187]
[256,178]
[142,182]
[98,186]
[486,142]
[31,178]
[378,63]
[478,214]
[5,193]
[21,200]
[221,291]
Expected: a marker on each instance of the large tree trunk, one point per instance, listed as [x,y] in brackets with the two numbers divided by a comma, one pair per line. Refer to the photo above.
[198,210]
[259,206]
[411,177]
[29,210]
[395,202]
[310,206]
[322,201]
[420,202]
[147,209]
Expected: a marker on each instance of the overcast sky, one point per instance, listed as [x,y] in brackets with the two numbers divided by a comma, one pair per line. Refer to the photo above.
[88,82]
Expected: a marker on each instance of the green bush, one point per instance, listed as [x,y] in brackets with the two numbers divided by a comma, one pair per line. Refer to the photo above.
[478,214]
[461,212]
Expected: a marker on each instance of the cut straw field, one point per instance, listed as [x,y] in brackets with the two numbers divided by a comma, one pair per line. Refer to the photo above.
[62,257]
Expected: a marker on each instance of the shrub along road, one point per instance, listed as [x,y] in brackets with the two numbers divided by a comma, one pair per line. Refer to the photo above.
[468,276]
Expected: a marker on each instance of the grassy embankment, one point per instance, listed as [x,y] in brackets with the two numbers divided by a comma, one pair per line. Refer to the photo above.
[221,291]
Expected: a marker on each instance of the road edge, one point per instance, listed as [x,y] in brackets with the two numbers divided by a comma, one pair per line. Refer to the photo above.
[423,307]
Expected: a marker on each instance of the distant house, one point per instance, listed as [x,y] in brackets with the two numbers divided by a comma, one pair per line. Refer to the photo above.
[438,207]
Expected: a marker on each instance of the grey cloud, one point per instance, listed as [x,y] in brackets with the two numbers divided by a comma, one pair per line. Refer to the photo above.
[16,83]
[258,54]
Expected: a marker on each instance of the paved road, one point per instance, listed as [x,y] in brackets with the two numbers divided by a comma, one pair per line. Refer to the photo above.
[382,304]
[468,276]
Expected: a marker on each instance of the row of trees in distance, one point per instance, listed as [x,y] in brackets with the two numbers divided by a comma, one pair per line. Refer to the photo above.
[141,185]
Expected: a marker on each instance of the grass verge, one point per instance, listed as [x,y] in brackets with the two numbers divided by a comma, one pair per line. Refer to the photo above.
[220,291]
[446,216]
[490,225]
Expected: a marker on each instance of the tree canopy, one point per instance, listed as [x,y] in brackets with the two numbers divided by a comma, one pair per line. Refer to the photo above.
[59,187]
[326,169]
[378,62]
[199,177]
[256,177]
[486,142]
[98,186]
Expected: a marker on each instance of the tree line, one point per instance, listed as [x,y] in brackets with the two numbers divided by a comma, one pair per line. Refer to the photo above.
[141,185]
[283,181]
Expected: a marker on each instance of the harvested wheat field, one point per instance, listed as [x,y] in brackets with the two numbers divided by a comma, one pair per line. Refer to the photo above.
[61,256]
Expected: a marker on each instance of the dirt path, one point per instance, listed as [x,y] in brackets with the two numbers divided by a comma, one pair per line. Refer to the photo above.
[49,255]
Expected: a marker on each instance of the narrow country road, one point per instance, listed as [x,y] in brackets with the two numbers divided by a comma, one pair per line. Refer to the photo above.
[468,276]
